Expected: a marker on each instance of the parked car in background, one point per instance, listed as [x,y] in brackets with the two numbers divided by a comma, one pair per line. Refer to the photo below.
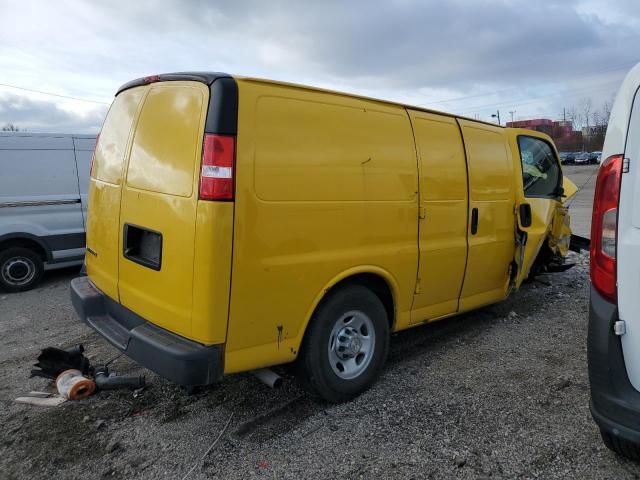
[614,314]
[563,157]
[312,201]
[595,157]
[43,200]
[570,158]
[581,158]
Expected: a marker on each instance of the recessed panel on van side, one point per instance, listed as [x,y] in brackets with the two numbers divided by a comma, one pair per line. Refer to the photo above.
[326,186]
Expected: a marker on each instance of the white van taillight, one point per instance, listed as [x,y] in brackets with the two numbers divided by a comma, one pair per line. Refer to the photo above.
[216,175]
[604,227]
[93,157]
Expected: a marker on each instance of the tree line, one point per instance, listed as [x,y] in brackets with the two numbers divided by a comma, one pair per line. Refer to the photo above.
[591,121]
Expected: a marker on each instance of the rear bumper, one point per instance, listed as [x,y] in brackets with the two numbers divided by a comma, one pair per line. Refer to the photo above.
[175,358]
[615,404]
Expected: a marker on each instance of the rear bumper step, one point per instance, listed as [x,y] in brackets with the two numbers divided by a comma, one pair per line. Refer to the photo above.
[175,358]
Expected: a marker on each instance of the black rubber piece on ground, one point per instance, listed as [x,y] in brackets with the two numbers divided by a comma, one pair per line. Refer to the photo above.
[314,370]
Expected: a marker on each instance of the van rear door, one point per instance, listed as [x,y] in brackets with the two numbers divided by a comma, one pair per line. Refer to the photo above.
[105,188]
[159,203]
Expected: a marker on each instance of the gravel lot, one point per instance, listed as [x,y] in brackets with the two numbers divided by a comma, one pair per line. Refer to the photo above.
[497,393]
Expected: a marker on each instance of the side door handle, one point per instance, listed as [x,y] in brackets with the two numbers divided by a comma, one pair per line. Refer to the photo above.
[474,221]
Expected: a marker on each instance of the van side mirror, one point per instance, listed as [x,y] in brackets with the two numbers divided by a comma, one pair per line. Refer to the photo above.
[525,215]
[559,191]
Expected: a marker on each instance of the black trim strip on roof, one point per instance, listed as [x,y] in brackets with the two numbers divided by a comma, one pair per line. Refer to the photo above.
[203,77]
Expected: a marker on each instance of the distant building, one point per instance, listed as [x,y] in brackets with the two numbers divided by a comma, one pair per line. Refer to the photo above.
[562,132]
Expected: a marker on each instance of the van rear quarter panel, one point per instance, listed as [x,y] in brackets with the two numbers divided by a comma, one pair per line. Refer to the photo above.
[326,186]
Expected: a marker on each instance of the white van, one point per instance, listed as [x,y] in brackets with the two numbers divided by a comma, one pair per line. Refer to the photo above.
[43,198]
[614,317]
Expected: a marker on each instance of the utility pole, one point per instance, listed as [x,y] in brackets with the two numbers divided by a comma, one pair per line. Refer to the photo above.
[496,115]
[512,112]
[564,114]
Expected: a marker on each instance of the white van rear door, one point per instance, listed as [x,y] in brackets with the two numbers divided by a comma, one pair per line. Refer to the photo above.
[628,248]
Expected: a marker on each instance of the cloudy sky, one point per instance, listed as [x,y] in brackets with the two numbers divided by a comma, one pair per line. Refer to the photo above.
[471,57]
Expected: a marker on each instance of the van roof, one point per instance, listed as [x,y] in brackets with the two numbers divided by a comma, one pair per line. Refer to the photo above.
[209,77]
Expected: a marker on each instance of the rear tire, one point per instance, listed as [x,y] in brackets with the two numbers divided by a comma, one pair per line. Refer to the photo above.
[346,344]
[622,447]
[20,269]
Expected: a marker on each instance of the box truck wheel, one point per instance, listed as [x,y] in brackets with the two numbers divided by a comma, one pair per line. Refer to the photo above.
[20,269]
[622,447]
[346,344]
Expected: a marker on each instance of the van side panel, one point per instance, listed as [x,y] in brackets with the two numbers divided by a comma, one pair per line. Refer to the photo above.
[492,193]
[105,189]
[443,228]
[325,184]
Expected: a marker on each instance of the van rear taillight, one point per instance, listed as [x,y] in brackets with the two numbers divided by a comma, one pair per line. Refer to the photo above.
[216,175]
[93,157]
[604,227]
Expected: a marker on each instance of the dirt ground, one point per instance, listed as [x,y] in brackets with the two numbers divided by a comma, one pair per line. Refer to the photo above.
[498,393]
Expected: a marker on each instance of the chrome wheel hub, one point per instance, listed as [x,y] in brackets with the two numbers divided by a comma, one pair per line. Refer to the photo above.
[351,344]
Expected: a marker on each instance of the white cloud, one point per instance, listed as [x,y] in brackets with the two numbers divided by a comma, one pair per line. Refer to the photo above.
[532,57]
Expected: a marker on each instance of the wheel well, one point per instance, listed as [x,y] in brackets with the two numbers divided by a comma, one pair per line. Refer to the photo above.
[377,285]
[25,243]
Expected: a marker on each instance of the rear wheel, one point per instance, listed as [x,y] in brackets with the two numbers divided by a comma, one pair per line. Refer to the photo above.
[622,447]
[346,344]
[20,269]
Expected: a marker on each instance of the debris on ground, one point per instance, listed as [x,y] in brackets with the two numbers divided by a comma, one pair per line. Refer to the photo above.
[112,381]
[72,385]
[41,399]
[53,361]
[75,378]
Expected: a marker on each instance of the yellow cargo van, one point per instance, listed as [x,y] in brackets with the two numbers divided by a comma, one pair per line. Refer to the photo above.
[237,223]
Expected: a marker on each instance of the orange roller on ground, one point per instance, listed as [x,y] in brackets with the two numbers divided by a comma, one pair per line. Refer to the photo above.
[73,386]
